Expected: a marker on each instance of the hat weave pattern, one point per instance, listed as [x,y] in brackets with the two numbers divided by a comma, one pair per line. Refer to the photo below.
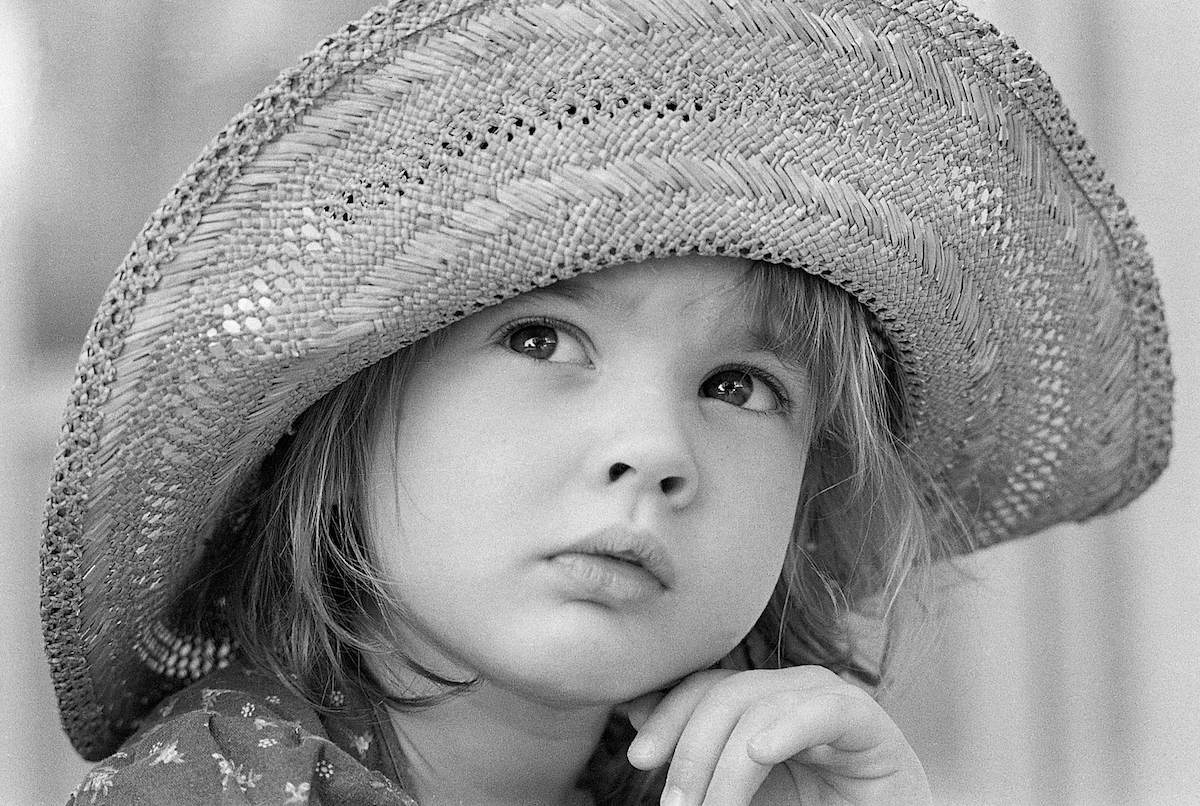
[436,158]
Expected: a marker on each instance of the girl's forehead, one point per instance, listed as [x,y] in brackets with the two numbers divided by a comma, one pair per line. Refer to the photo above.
[689,282]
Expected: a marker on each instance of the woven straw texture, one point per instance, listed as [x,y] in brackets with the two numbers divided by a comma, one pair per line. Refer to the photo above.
[437,157]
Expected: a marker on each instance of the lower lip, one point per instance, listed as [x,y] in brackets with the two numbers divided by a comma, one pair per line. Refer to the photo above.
[605,579]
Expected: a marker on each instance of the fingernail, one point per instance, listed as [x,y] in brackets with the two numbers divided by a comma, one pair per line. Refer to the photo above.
[643,748]
[759,745]
[674,797]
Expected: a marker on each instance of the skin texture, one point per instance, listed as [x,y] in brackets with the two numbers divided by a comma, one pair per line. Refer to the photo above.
[584,496]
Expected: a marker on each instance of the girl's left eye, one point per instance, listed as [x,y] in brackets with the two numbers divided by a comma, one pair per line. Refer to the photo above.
[739,387]
[543,341]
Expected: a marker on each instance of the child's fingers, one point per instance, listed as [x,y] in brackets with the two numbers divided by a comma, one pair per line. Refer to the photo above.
[846,719]
[705,725]
[844,735]
[660,730]
[736,777]
[712,744]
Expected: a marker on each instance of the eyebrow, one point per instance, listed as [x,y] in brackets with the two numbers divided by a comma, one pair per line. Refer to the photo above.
[579,290]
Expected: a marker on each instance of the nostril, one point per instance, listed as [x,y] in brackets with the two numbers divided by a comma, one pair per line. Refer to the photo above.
[672,483]
[617,470]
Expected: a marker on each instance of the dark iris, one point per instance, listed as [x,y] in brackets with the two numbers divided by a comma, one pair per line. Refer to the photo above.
[535,341]
[731,386]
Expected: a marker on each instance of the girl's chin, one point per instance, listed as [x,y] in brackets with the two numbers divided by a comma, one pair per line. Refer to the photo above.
[578,693]
[563,670]
[591,684]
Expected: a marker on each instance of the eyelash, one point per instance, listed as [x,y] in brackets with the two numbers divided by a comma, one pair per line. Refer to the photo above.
[759,374]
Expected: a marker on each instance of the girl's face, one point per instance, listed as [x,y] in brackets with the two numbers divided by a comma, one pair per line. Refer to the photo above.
[591,487]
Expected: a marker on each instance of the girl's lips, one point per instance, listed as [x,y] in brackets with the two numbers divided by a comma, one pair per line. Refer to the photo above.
[616,564]
[607,578]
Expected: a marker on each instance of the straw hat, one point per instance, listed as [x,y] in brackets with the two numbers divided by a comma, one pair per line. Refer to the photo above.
[435,158]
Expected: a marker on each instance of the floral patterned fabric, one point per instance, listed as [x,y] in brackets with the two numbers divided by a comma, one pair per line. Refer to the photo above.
[239,737]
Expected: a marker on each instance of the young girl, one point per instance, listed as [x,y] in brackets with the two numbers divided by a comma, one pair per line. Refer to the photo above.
[514,402]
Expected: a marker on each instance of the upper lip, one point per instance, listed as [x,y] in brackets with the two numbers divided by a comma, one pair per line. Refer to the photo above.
[634,546]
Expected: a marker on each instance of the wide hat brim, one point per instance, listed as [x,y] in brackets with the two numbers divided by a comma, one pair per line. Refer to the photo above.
[433,159]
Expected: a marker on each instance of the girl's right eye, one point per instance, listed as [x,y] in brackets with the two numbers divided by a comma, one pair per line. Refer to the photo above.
[543,341]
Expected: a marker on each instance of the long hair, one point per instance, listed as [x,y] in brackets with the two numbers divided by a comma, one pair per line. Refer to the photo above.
[870,515]
[296,589]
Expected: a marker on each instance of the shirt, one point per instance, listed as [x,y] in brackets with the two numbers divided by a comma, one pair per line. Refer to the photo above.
[240,737]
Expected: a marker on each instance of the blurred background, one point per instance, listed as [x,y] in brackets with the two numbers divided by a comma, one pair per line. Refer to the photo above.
[1063,669]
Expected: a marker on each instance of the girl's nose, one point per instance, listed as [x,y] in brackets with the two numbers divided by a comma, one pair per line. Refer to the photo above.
[671,486]
[652,457]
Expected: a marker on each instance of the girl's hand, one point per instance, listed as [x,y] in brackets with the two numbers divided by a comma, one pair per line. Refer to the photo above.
[787,736]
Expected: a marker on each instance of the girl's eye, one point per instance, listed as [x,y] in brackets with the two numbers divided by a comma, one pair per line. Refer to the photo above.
[738,387]
[535,341]
[545,342]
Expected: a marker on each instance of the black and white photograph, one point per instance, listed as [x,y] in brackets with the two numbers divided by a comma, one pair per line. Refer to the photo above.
[600,402]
